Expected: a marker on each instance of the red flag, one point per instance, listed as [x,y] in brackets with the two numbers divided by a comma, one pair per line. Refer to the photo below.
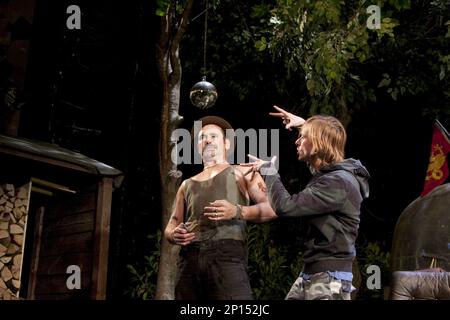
[437,171]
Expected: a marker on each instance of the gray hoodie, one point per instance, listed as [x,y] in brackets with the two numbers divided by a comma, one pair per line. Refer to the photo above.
[330,205]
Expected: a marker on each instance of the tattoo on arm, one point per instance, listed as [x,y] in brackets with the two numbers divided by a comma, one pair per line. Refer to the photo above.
[262,187]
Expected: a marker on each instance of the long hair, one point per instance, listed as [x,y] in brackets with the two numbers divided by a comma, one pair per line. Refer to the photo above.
[328,137]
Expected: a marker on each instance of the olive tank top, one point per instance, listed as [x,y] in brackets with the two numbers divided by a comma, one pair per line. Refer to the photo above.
[199,194]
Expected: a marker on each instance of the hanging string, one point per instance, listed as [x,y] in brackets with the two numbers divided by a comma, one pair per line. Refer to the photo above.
[205,39]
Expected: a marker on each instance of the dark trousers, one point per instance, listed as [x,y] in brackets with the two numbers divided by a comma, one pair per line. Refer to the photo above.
[213,270]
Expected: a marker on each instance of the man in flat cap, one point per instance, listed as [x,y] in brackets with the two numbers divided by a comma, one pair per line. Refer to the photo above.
[212,263]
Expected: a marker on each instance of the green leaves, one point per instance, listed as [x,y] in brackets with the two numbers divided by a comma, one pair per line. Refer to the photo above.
[340,59]
[261,44]
[272,268]
[161,7]
[387,27]
[323,58]
[322,39]
[400,4]
[143,275]
[385,81]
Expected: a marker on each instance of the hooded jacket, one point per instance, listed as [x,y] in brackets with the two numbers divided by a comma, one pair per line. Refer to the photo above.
[330,205]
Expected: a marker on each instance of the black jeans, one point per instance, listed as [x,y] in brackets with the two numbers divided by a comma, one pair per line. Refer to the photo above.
[213,270]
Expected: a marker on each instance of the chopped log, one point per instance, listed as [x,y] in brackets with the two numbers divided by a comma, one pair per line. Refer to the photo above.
[5,295]
[22,193]
[15,229]
[5,260]
[1,191]
[8,187]
[17,213]
[5,243]
[16,283]
[4,234]
[16,271]
[13,249]
[3,284]
[6,274]
[4,216]
[21,222]
[18,238]
[13,216]
[17,260]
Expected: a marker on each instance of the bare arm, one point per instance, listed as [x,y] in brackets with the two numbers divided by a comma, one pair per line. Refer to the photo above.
[261,211]
[175,231]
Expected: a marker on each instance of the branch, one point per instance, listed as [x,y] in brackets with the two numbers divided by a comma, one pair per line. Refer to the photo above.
[174,46]
[163,44]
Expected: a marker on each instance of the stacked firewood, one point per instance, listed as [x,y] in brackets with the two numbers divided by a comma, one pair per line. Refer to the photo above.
[13,218]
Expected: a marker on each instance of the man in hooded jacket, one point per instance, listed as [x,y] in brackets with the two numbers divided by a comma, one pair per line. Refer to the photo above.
[330,206]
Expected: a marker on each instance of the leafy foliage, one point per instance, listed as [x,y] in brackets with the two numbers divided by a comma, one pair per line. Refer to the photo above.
[161,7]
[273,268]
[242,70]
[324,40]
[320,57]
[342,61]
[143,276]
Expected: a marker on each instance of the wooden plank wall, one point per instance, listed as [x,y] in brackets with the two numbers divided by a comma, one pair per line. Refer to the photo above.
[67,239]
[101,240]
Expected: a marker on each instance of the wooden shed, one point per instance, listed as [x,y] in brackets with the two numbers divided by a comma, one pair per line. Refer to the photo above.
[54,221]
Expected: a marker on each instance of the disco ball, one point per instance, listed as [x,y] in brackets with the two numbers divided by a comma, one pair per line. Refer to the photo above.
[203,94]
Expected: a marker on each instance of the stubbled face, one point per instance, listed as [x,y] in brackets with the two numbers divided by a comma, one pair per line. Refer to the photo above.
[211,143]
[304,147]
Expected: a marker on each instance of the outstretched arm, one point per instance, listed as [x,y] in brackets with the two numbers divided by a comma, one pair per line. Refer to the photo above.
[326,194]
[289,119]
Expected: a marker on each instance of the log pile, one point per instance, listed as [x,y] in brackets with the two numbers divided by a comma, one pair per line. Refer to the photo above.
[13,219]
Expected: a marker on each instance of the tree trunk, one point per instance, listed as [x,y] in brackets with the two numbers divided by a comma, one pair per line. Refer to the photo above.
[172,30]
